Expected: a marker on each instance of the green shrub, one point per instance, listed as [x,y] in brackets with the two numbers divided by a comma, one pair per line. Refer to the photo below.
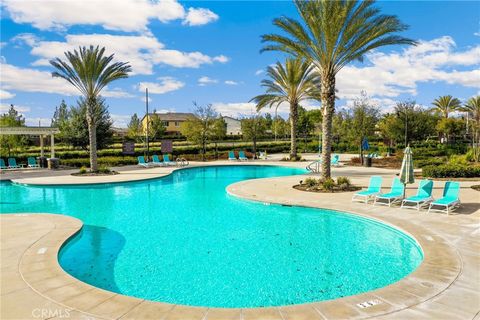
[106,161]
[451,171]
[473,154]
[104,169]
[328,184]
[420,163]
[311,182]
[458,160]
[343,180]
[83,170]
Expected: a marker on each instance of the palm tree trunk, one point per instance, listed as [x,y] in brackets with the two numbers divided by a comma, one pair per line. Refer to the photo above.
[328,106]
[92,135]
[293,131]
[92,132]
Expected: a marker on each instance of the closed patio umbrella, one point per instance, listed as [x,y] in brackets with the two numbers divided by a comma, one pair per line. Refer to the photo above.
[406,172]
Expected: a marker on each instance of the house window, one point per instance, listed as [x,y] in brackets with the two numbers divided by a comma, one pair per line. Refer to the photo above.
[165,123]
[177,124]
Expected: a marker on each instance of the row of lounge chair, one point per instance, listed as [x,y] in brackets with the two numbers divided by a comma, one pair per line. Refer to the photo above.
[156,161]
[12,164]
[241,156]
[449,201]
[180,162]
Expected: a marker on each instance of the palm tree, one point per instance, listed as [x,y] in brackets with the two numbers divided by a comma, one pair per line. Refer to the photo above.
[331,35]
[291,83]
[446,104]
[472,107]
[90,71]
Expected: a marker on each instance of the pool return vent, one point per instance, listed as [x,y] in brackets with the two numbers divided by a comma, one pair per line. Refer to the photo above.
[369,303]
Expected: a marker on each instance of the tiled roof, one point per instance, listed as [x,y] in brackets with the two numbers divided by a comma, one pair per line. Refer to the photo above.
[173,116]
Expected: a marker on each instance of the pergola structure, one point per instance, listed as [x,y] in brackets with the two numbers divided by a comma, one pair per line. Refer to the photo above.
[34,131]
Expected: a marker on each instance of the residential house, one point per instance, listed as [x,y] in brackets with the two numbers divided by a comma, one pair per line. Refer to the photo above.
[233,126]
[171,120]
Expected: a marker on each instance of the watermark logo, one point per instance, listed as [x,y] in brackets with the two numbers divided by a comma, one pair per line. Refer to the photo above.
[45,313]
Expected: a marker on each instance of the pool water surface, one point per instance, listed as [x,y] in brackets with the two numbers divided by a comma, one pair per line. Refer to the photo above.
[182,239]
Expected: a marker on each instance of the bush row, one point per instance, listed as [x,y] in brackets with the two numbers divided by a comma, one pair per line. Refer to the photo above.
[451,171]
[269,146]
[421,163]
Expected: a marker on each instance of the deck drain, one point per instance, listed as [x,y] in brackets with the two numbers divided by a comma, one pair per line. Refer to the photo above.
[42,251]
[369,303]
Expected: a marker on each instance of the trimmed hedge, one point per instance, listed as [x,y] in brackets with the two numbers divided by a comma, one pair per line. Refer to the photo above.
[103,161]
[451,171]
[421,163]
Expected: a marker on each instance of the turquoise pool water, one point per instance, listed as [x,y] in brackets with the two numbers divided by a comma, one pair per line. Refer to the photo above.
[182,239]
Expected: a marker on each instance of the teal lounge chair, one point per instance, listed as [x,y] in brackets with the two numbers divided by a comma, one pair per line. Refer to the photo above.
[12,164]
[156,161]
[2,164]
[374,188]
[241,156]
[32,163]
[423,197]
[335,160]
[231,156]
[450,200]
[142,162]
[167,162]
[395,194]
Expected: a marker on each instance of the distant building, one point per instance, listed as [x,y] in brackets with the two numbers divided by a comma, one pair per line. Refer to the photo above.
[119,132]
[171,120]
[233,126]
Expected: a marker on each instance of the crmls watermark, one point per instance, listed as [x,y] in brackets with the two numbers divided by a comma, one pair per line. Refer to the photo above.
[50,313]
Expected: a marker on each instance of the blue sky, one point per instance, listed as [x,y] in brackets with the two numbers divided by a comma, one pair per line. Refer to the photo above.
[208,52]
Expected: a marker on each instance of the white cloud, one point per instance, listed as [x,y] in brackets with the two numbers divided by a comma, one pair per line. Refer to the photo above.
[165,84]
[231,82]
[120,120]
[221,58]
[4,95]
[199,16]
[476,34]
[124,15]
[393,74]
[28,38]
[4,107]
[31,80]
[203,81]
[234,109]
[259,72]
[142,52]
[144,99]
[34,122]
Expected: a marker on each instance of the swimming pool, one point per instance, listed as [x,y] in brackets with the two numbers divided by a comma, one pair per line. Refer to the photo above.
[182,239]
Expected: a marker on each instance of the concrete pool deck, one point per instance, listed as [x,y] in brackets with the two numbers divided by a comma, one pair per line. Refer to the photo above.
[445,286]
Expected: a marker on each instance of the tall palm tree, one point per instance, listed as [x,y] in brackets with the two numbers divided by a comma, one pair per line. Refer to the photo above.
[472,107]
[331,35]
[89,70]
[446,104]
[291,83]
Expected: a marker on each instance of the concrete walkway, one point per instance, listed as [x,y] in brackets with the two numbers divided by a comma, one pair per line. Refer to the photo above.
[445,286]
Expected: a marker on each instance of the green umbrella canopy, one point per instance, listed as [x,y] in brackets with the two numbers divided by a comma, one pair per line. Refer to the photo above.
[406,172]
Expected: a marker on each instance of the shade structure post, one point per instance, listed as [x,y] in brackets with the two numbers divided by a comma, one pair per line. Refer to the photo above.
[52,145]
[42,151]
